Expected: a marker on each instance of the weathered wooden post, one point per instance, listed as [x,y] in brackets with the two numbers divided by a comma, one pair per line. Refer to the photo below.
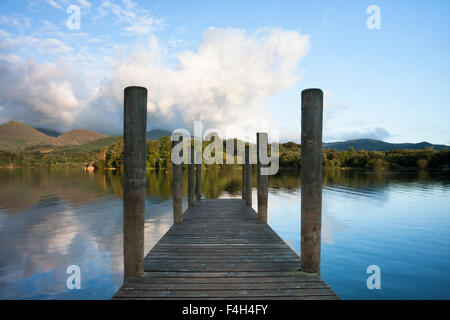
[177,186]
[244,179]
[248,177]
[311,179]
[263,180]
[198,176]
[134,166]
[191,179]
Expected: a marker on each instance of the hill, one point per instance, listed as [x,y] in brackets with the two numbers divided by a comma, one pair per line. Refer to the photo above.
[157,134]
[90,146]
[76,137]
[18,136]
[378,145]
[15,136]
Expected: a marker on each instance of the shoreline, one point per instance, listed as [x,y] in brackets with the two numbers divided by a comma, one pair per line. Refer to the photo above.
[284,169]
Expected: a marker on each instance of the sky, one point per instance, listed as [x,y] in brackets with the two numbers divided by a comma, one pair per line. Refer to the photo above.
[235,65]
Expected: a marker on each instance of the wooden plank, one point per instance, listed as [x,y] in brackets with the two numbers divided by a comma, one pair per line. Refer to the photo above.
[241,274]
[226,280]
[220,267]
[131,286]
[318,297]
[218,249]
[224,293]
[212,254]
[218,259]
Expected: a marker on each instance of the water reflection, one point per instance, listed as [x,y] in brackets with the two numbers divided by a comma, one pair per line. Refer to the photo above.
[50,219]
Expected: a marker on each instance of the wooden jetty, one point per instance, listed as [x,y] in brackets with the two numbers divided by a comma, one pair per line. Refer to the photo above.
[221,248]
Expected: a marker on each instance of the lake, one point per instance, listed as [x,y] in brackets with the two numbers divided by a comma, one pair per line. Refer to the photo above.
[53,218]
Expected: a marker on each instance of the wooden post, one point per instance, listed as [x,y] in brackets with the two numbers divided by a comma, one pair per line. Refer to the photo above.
[244,176]
[191,180]
[263,180]
[134,183]
[177,186]
[248,177]
[198,177]
[311,179]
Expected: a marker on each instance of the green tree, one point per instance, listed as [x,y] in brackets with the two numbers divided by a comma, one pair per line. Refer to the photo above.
[422,163]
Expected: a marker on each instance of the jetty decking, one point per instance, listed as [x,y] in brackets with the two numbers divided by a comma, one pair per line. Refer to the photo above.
[222,250]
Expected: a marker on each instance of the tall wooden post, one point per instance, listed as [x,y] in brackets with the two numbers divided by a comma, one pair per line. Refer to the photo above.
[244,179]
[263,180]
[177,186]
[134,167]
[198,177]
[311,179]
[191,179]
[248,177]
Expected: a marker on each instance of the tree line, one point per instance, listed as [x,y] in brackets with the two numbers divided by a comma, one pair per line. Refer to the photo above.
[290,156]
[159,155]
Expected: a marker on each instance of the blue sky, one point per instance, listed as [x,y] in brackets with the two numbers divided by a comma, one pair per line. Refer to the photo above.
[391,84]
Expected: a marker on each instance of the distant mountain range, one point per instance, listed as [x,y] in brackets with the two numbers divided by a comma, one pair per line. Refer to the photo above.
[18,136]
[157,134]
[378,145]
[15,136]
[49,132]
[76,137]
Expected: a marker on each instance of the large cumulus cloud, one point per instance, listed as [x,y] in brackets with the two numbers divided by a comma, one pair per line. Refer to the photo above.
[224,82]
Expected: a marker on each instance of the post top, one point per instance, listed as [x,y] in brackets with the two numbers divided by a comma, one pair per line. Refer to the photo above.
[312,91]
[135,88]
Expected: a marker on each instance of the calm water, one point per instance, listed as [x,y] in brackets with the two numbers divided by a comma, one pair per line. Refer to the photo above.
[50,219]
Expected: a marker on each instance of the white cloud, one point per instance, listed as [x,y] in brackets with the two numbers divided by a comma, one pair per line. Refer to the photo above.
[54,4]
[36,92]
[224,83]
[129,4]
[84,4]
[46,47]
[142,25]
[135,21]
[378,133]
[16,20]
[333,131]
[62,4]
